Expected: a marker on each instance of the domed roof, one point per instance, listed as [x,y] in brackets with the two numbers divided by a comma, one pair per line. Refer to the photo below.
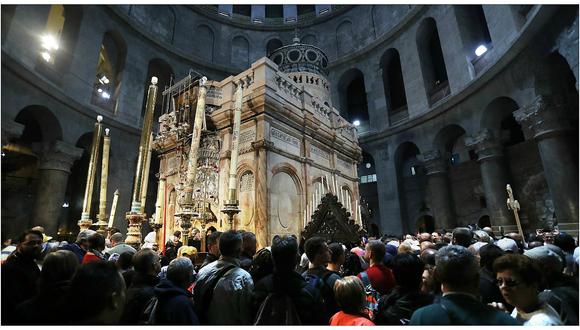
[299,57]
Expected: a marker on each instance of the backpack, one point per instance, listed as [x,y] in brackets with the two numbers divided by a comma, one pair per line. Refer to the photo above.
[277,309]
[321,291]
[148,315]
[372,295]
[203,293]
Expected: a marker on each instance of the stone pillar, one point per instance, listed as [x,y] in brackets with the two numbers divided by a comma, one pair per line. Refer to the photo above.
[493,174]
[549,123]
[439,190]
[261,200]
[55,161]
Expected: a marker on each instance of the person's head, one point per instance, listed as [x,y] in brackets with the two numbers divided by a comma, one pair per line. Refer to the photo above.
[230,244]
[125,261]
[146,262]
[317,251]
[352,264]
[447,237]
[116,238]
[457,269]
[97,242]
[462,236]
[58,267]
[30,244]
[249,244]
[549,260]
[518,279]
[488,254]
[83,238]
[428,257]
[424,237]
[565,242]
[475,247]
[375,252]
[482,236]
[426,245]
[405,248]
[284,253]
[180,272]
[188,252]
[177,234]
[212,243]
[534,244]
[489,232]
[262,264]
[408,269]
[349,293]
[336,253]
[101,289]
[508,245]
[435,237]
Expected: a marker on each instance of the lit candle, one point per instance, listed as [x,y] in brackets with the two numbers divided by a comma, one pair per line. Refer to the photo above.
[113,208]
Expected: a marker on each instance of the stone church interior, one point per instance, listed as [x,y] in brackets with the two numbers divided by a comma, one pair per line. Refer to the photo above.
[381,119]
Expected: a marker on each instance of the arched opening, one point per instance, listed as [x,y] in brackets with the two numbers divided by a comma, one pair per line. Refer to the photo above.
[240,56]
[20,175]
[306,9]
[425,224]
[394,86]
[272,45]
[432,61]
[353,96]
[473,30]
[369,196]
[284,205]
[164,73]
[205,37]
[274,11]
[107,85]
[411,184]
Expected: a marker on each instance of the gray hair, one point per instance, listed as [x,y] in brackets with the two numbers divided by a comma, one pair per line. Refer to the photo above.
[456,266]
[180,270]
[117,238]
[483,236]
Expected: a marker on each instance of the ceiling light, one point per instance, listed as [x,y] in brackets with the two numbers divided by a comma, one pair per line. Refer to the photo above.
[49,42]
[368,165]
[100,90]
[480,50]
[356,123]
[104,80]
[46,56]
[106,95]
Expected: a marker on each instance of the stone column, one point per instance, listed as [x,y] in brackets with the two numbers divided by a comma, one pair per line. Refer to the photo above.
[55,161]
[493,174]
[549,124]
[439,189]
[261,199]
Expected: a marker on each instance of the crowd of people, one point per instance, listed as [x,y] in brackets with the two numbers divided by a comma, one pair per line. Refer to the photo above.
[463,277]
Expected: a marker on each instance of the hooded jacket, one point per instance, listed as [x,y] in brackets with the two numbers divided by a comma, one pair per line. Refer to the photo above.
[175,305]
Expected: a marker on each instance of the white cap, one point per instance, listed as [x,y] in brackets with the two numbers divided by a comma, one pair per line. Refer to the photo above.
[154,80]
[99,118]
[106,131]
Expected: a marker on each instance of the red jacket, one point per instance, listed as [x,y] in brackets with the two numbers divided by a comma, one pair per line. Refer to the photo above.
[381,277]
[89,257]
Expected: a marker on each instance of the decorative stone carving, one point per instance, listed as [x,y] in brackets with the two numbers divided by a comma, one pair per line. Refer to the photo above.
[319,152]
[486,145]
[286,138]
[434,163]
[544,117]
[57,155]
[247,182]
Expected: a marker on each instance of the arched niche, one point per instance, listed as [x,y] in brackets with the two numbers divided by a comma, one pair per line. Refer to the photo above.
[394,86]
[240,54]
[205,36]
[353,97]
[432,62]
[344,38]
[411,183]
[285,211]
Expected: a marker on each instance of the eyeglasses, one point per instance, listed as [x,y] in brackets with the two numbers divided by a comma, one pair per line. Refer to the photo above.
[507,281]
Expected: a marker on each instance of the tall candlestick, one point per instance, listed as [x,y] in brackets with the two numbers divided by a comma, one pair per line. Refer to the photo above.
[104,176]
[235,144]
[92,169]
[144,145]
[160,200]
[146,175]
[359,214]
[113,208]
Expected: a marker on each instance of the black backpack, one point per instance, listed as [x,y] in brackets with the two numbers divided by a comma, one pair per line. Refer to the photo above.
[148,315]
[277,309]
[203,293]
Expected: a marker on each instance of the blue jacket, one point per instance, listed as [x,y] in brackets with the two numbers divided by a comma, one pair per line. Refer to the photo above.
[76,249]
[175,305]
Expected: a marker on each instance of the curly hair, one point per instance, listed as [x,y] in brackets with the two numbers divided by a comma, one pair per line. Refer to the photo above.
[525,267]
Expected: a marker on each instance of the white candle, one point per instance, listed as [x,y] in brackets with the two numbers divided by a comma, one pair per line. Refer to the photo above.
[113,208]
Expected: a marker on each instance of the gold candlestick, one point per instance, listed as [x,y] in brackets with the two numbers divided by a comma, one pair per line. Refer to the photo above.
[186,204]
[135,216]
[102,216]
[145,179]
[85,222]
[231,204]
[113,208]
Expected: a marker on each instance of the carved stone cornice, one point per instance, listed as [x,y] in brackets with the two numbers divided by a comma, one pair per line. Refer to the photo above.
[486,144]
[434,163]
[544,117]
[10,131]
[262,144]
[56,155]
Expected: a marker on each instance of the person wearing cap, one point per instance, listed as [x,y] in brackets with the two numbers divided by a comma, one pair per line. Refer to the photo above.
[508,245]
[561,290]
[81,245]
[118,245]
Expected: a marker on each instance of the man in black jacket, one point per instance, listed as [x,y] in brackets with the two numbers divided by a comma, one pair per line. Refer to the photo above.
[175,304]
[20,274]
[147,266]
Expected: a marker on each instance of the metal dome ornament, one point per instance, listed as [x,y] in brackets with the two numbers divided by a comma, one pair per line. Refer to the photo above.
[299,57]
